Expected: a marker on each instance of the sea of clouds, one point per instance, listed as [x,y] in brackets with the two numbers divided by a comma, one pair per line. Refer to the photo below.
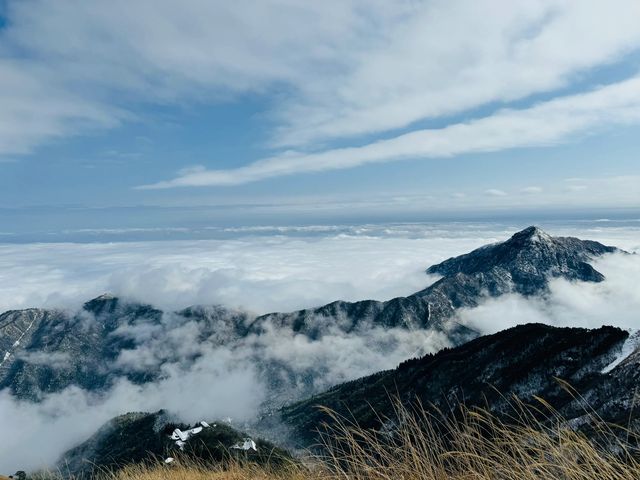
[263,270]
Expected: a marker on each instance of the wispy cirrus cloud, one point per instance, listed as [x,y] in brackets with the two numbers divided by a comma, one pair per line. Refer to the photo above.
[37,107]
[447,57]
[333,70]
[68,66]
[543,124]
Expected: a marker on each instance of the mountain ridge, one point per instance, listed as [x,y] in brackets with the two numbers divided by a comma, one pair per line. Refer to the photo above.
[96,336]
[523,361]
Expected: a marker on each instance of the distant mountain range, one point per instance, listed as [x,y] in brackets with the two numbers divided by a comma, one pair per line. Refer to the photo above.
[49,350]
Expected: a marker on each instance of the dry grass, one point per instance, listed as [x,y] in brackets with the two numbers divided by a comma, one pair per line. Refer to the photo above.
[475,446]
[195,471]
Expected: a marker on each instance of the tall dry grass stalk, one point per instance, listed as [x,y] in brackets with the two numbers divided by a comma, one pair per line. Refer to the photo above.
[477,445]
[425,446]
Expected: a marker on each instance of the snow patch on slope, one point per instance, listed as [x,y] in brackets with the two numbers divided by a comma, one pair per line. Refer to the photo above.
[181,437]
[630,345]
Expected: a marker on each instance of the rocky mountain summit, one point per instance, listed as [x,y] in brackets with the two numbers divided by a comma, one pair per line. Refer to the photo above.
[528,259]
[48,350]
[523,264]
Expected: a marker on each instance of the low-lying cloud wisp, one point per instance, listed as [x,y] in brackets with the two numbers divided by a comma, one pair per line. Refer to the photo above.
[228,380]
[616,301]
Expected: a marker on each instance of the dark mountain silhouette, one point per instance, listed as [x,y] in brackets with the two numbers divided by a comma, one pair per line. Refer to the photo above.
[523,362]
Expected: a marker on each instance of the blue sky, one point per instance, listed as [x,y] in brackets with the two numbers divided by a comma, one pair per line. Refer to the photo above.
[290,111]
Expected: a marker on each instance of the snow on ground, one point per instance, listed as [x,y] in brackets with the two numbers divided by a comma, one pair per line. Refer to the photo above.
[630,345]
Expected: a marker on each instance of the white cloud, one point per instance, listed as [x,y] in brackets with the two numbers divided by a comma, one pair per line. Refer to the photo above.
[274,269]
[543,124]
[35,107]
[446,57]
[215,386]
[54,359]
[339,68]
[269,272]
[224,381]
[494,192]
[72,62]
[615,301]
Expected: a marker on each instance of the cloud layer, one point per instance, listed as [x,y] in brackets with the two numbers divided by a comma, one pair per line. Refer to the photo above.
[224,382]
[260,273]
[265,269]
[215,386]
[267,273]
[337,69]
[613,302]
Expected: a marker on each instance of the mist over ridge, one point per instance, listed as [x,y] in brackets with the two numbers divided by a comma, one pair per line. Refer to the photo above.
[229,369]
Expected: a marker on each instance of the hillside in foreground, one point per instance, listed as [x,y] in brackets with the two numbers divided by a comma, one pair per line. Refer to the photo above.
[421,446]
